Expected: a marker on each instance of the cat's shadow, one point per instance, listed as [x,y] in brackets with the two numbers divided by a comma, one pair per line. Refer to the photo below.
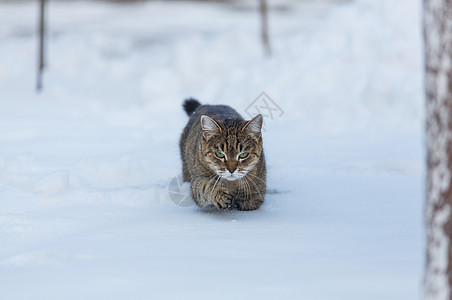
[233,214]
[228,215]
[213,211]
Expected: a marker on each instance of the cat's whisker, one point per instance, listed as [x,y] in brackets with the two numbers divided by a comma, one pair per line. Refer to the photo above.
[213,189]
[254,176]
[211,178]
[257,189]
[248,189]
[242,174]
[239,188]
[243,186]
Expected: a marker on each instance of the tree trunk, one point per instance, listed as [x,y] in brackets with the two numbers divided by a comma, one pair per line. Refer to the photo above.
[438,84]
[41,47]
[264,26]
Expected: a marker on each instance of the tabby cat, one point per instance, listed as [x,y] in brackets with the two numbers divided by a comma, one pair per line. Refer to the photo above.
[222,157]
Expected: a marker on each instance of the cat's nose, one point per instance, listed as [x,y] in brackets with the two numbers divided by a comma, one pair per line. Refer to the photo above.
[231,170]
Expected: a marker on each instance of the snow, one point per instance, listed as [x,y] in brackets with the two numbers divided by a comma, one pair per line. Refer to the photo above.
[85,165]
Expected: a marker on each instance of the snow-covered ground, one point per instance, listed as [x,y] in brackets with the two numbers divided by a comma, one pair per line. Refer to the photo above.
[84,166]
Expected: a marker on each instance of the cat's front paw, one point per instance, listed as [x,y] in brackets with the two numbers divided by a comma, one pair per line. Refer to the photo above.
[251,204]
[222,198]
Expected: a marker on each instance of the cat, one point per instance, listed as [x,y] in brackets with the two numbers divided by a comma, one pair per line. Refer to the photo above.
[222,157]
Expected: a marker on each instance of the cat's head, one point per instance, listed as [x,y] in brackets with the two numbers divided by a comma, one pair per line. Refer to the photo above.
[231,148]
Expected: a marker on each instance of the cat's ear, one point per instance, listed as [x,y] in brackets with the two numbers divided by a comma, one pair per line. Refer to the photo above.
[209,127]
[254,125]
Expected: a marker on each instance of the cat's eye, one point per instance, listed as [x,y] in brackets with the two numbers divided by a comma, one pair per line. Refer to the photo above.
[243,155]
[219,154]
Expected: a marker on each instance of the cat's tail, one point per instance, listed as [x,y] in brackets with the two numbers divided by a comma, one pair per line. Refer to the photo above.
[190,105]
